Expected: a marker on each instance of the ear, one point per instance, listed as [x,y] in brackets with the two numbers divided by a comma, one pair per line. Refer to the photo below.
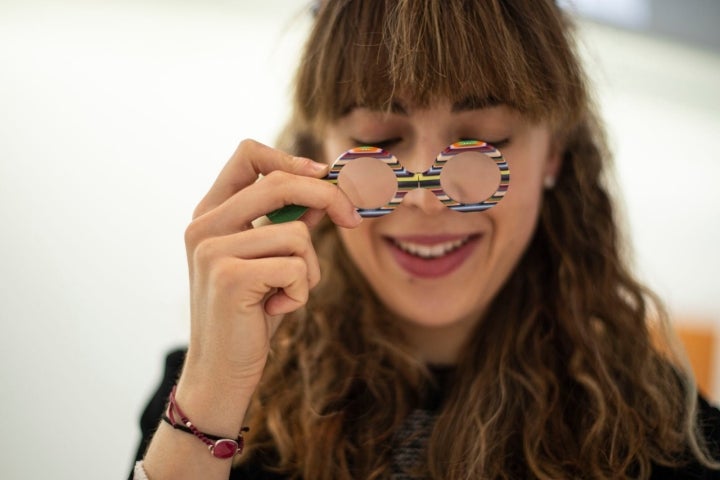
[553,162]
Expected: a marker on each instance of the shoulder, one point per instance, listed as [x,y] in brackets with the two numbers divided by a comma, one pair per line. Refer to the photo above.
[255,468]
[709,425]
[709,422]
[156,404]
[173,365]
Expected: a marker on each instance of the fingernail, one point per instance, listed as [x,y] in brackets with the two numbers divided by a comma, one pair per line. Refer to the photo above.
[312,164]
[317,167]
[357,217]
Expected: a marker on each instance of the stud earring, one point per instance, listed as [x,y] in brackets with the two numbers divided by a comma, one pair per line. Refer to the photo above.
[549,182]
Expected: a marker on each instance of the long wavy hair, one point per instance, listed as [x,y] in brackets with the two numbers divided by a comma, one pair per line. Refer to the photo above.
[563,376]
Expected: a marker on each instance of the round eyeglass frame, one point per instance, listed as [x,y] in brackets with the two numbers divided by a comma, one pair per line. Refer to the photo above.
[408,181]
[429,179]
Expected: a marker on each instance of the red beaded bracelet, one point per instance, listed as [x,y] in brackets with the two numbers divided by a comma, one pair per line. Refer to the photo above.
[219,447]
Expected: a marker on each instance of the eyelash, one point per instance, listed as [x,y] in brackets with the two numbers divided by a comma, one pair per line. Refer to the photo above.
[502,143]
[384,144]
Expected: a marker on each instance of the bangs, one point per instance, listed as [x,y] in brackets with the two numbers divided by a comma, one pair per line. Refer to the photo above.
[370,52]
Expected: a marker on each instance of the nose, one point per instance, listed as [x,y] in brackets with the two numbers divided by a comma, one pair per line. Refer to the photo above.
[423,200]
[420,159]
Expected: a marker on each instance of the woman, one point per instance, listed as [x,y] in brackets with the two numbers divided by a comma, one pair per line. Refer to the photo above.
[511,342]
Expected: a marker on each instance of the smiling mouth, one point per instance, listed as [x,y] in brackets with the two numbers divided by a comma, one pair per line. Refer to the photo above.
[429,252]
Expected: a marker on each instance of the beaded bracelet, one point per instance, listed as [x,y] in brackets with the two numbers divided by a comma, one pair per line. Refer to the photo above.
[219,447]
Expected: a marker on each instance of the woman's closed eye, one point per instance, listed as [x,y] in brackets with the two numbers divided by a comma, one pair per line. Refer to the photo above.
[389,143]
[499,144]
[384,144]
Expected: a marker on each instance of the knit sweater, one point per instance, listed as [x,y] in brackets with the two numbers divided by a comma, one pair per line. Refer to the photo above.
[410,439]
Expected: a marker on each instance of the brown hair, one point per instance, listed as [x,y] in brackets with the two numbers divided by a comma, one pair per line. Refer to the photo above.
[566,382]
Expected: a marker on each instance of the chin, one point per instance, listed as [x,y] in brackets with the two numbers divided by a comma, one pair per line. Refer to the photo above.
[441,318]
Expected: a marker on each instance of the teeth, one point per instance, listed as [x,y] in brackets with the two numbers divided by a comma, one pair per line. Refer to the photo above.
[431,251]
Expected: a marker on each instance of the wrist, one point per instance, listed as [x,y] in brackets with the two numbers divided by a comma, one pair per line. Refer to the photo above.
[213,407]
[217,371]
[219,446]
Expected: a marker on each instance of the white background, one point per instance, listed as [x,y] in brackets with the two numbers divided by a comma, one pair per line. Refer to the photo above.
[115,117]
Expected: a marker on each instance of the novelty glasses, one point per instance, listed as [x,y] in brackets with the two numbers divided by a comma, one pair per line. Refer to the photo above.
[468,176]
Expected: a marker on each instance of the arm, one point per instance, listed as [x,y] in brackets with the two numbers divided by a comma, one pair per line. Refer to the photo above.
[243,280]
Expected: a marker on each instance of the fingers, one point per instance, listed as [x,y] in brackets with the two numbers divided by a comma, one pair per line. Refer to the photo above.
[273,241]
[276,190]
[244,279]
[290,280]
[279,285]
[239,196]
[241,285]
[250,160]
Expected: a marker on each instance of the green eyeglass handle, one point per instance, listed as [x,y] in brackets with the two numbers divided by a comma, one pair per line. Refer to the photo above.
[288,213]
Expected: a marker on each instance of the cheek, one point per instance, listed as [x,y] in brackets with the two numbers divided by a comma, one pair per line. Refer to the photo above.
[528,165]
[516,215]
[357,242]
[525,191]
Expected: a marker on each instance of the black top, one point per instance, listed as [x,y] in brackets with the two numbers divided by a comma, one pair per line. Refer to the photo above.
[419,421]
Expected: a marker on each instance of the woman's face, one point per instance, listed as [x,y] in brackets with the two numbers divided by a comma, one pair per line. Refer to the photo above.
[436,268]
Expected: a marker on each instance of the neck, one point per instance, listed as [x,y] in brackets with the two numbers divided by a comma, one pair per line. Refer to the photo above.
[437,345]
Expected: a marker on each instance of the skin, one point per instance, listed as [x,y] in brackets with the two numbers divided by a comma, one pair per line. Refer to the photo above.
[242,281]
[439,311]
[245,275]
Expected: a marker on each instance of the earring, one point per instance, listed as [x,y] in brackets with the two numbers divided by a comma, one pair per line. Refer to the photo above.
[549,182]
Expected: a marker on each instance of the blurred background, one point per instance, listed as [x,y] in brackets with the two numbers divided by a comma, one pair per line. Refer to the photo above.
[116,116]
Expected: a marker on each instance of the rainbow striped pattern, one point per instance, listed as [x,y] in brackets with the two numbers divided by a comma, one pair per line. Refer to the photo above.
[430,179]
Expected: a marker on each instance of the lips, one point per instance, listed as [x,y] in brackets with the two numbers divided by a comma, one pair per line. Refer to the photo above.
[432,256]
[430,250]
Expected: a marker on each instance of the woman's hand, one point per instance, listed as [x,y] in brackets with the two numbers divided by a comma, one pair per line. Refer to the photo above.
[243,279]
